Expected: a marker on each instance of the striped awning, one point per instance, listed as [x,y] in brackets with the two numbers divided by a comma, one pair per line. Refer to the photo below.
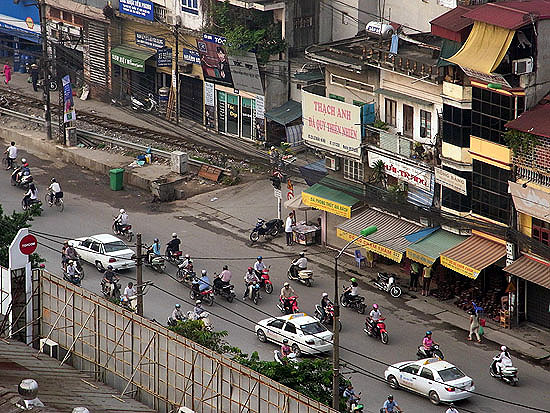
[473,255]
[531,269]
[428,249]
[389,240]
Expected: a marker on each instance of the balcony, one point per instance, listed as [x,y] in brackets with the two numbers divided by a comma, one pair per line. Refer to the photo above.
[533,176]
[457,92]
[160,13]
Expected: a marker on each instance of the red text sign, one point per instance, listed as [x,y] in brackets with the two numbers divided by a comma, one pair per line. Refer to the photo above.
[28,244]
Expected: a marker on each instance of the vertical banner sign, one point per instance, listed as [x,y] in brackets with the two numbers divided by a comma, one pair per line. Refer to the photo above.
[69,113]
[259,118]
[209,104]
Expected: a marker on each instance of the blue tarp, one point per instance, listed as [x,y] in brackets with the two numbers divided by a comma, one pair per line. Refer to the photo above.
[423,233]
[314,172]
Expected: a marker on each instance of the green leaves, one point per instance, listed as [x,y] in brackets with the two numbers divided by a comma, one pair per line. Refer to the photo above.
[521,143]
[195,330]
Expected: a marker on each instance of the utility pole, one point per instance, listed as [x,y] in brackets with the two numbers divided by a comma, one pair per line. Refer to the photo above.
[176,73]
[139,275]
[45,69]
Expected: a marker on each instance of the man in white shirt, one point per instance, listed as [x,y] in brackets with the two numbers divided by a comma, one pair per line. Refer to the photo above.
[12,155]
[259,266]
[54,190]
[288,228]
[121,220]
[299,265]
[130,293]
[451,409]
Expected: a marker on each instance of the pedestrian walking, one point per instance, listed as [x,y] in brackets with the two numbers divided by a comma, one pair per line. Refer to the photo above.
[474,326]
[34,76]
[414,274]
[288,228]
[7,73]
[426,280]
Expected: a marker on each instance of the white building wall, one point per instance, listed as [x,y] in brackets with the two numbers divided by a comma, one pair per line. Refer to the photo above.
[416,14]
[189,21]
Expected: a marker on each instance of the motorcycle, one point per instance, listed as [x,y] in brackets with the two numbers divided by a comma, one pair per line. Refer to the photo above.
[185,273]
[126,230]
[304,276]
[387,283]
[254,292]
[173,257]
[272,228]
[106,288]
[21,181]
[278,357]
[206,296]
[156,262]
[265,282]
[354,302]
[171,322]
[77,280]
[292,307]
[378,331]
[435,351]
[149,104]
[204,317]
[328,319]
[225,290]
[508,375]
[129,303]
[30,203]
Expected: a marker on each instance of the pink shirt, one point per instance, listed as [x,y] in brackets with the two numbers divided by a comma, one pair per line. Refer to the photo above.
[427,343]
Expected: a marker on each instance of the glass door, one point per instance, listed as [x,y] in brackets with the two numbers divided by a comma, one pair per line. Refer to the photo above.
[221,112]
[232,114]
[246,118]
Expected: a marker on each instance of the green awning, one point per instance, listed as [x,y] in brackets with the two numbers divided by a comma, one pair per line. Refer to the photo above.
[131,57]
[286,113]
[448,49]
[427,250]
[327,199]
[310,76]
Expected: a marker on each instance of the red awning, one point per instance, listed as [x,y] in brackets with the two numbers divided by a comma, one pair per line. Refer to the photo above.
[511,14]
[452,25]
[535,120]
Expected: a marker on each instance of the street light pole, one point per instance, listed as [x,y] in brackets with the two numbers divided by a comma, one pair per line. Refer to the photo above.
[336,321]
[45,69]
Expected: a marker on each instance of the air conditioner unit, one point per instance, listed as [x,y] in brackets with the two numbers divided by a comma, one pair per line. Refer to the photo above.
[49,347]
[522,66]
[332,163]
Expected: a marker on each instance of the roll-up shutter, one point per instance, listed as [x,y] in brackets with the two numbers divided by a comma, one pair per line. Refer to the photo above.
[97,41]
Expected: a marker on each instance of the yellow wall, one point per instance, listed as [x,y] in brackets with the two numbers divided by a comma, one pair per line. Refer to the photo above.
[457,92]
[525,223]
[491,153]
[456,153]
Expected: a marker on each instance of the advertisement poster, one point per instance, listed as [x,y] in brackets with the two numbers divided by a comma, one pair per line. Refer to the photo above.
[209,104]
[147,40]
[259,118]
[20,19]
[191,56]
[164,57]
[137,8]
[214,60]
[245,73]
[69,113]
[413,176]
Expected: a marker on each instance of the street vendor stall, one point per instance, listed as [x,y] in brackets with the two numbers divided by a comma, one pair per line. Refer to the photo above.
[303,233]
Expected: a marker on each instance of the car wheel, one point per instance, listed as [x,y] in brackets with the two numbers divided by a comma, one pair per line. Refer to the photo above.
[434,397]
[296,350]
[261,336]
[99,266]
[393,383]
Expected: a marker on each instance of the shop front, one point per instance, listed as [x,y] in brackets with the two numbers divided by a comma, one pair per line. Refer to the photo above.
[236,113]
[135,77]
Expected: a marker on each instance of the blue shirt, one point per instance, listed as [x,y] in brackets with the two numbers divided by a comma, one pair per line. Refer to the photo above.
[390,405]
[204,283]
[156,248]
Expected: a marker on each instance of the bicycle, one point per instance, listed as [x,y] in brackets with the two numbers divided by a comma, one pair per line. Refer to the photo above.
[14,164]
[58,202]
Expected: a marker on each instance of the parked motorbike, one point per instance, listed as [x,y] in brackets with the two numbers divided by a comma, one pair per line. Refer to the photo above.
[434,352]
[173,257]
[354,302]
[224,290]
[377,332]
[278,357]
[292,307]
[149,104]
[30,203]
[206,296]
[304,276]
[21,181]
[254,292]
[185,273]
[126,230]
[156,262]
[204,317]
[328,319]
[508,375]
[265,282]
[106,288]
[388,283]
[272,228]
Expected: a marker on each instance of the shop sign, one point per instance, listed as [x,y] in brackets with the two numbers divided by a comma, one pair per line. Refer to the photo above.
[128,62]
[69,113]
[377,248]
[209,105]
[19,20]
[332,125]
[214,60]
[164,57]
[450,180]
[191,56]
[418,257]
[326,205]
[150,41]
[459,267]
[245,73]
[414,176]
[259,119]
[138,8]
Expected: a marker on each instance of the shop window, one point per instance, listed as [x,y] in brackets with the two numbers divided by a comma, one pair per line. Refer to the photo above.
[490,191]
[190,6]
[425,124]
[541,231]
[248,107]
[68,17]
[232,114]
[336,97]
[457,126]
[221,111]
[390,112]
[353,170]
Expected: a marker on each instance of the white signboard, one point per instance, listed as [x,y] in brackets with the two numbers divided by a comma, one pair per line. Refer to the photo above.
[245,73]
[450,180]
[413,176]
[209,94]
[277,193]
[332,125]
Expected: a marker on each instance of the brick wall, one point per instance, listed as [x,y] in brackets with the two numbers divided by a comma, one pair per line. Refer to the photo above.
[537,159]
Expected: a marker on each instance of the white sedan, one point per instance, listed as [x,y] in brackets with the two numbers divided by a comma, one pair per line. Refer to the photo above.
[440,380]
[103,250]
[304,333]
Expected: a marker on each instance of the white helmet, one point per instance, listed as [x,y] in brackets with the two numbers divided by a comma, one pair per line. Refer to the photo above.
[325,295]
[186,255]
[122,211]
[203,272]
[503,348]
[23,160]
[198,302]
[174,235]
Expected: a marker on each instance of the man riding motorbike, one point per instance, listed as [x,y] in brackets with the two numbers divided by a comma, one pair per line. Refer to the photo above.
[68,253]
[173,245]
[204,281]
[177,314]
[299,264]
[72,271]
[121,220]
[504,359]
[325,302]
[250,278]
[154,250]
[374,316]
[110,278]
[285,348]
[21,171]
[259,266]
[352,291]
[223,279]
[130,294]
[286,293]
[428,343]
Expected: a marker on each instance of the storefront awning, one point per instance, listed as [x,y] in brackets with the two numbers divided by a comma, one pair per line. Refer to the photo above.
[327,199]
[448,49]
[530,201]
[131,57]
[531,269]
[484,49]
[286,113]
[427,250]
[473,255]
[389,240]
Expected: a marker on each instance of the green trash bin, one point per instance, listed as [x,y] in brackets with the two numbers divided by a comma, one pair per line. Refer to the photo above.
[116,178]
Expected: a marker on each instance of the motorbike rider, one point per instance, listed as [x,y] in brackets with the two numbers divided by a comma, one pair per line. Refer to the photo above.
[223,279]
[349,393]
[21,171]
[286,293]
[173,245]
[250,278]
[451,409]
[11,154]
[154,250]
[68,253]
[374,316]
[428,343]
[177,314]
[352,291]
[325,303]
[54,191]
[130,294]
[390,405]
[72,271]
[285,348]
[198,310]
[299,264]
[110,278]
[504,359]
[121,220]
[204,281]
[259,266]
[31,195]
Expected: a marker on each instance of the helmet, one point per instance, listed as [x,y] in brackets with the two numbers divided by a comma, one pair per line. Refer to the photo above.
[353,280]
[225,267]
[285,341]
[52,180]
[260,257]
[187,256]
[156,240]
[174,235]
[428,333]
[375,306]
[325,295]
[250,268]
[122,211]
[66,243]
[286,285]
[198,302]
[390,396]
[71,262]
[302,254]
[25,164]
[178,306]
[203,272]
[503,348]
[23,161]
[109,267]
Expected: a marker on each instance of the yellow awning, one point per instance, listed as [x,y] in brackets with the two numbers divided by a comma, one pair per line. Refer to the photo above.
[484,49]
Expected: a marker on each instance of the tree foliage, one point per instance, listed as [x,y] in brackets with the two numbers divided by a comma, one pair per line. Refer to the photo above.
[520,142]
[214,340]
[9,226]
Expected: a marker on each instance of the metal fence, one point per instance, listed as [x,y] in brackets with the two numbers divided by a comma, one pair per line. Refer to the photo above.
[153,364]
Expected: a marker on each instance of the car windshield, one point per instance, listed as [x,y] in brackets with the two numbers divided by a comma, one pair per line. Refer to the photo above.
[313,328]
[451,374]
[115,246]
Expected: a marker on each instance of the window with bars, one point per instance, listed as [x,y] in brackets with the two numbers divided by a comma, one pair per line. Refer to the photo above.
[425,124]
[391,112]
[353,170]
[541,231]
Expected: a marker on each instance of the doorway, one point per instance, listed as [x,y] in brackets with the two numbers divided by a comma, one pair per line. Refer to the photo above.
[408,115]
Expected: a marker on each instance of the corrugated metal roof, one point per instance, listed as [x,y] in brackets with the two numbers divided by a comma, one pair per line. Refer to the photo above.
[286,113]
[452,25]
[531,269]
[428,249]
[333,195]
[476,252]
[535,120]
[391,230]
[511,14]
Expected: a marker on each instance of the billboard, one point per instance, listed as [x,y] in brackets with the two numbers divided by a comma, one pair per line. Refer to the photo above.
[20,19]
[245,73]
[214,60]
[420,178]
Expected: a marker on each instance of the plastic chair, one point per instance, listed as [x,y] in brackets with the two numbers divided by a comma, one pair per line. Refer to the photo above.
[359,258]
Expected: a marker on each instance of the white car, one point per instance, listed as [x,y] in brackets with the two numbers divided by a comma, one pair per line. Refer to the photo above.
[440,380]
[304,333]
[103,250]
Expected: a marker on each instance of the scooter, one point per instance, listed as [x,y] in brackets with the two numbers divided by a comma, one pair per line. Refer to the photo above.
[125,230]
[304,276]
[21,181]
[328,319]
[149,104]
[173,257]
[155,262]
[278,357]
[171,322]
[254,292]
[508,375]
[77,280]
[204,317]
[106,288]
[225,290]
[292,307]
[29,203]
[434,352]
[129,303]
[379,331]
[185,273]
[265,282]
[354,302]
[272,228]
[387,282]
[206,296]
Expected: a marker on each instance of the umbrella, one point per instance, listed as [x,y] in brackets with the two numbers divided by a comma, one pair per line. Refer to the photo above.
[297,204]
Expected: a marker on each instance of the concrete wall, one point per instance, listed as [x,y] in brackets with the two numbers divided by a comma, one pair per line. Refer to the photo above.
[276,83]
[415,14]
[369,77]
[541,65]
[492,153]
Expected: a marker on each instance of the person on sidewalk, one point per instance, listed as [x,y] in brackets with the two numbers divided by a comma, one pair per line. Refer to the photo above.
[426,280]
[474,326]
[288,228]
[414,273]
[7,73]
[34,76]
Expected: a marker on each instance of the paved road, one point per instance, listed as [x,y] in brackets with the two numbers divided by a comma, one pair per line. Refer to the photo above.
[210,230]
